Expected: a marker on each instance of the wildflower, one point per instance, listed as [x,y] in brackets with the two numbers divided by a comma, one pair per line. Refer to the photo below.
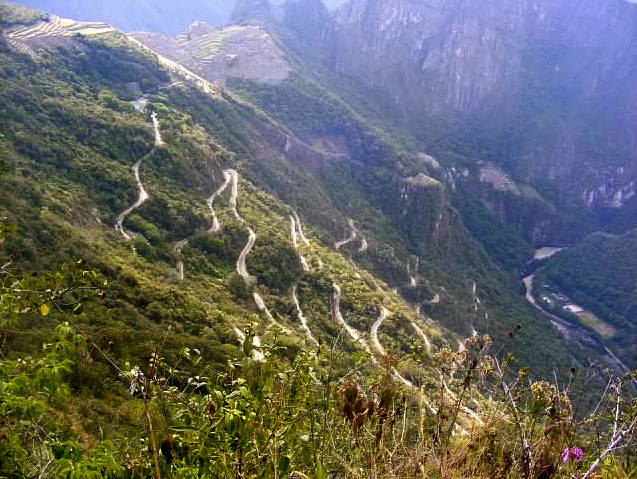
[572,453]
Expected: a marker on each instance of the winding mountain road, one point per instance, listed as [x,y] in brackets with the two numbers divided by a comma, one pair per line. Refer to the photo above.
[234,191]
[355,335]
[216,226]
[158,140]
[300,228]
[302,318]
[423,336]
[143,195]
[294,225]
[351,237]
[413,275]
[295,242]
[257,354]
[241,261]
[232,177]
[258,300]
[374,331]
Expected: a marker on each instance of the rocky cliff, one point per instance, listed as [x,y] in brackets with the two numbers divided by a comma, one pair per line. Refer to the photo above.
[560,77]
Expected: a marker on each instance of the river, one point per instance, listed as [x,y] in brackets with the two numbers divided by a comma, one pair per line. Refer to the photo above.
[571,331]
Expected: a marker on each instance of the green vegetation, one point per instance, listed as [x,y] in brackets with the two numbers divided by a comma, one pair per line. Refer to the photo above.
[501,240]
[600,274]
[113,366]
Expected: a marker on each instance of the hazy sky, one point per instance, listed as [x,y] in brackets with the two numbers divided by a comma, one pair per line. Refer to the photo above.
[331,4]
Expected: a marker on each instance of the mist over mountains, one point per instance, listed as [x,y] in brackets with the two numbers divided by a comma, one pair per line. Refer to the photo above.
[162,16]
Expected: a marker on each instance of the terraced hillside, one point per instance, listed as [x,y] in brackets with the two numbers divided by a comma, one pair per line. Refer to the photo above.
[230,52]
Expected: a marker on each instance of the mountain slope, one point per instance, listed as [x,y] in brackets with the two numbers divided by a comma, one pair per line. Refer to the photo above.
[280,265]
[306,148]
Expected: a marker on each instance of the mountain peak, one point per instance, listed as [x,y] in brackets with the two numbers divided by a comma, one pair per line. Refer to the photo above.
[246,11]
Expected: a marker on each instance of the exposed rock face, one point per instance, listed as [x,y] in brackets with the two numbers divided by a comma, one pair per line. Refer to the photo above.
[561,73]
[313,26]
[439,56]
[422,210]
[250,11]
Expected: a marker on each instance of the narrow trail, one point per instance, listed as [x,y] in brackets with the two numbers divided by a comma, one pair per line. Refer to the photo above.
[241,261]
[257,354]
[355,335]
[302,318]
[363,246]
[423,336]
[351,237]
[306,242]
[143,195]
[216,226]
[294,225]
[232,177]
[374,331]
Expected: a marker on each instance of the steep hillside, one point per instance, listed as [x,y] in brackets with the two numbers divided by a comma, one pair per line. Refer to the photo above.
[246,278]
[297,139]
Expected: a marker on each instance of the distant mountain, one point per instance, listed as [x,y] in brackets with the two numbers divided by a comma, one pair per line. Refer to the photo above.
[548,89]
[160,16]
[164,16]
